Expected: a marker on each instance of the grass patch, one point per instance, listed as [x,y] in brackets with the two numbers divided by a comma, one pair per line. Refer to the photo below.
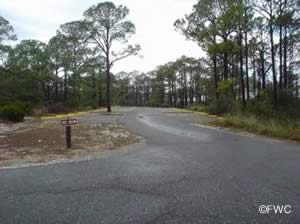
[198,108]
[64,115]
[284,129]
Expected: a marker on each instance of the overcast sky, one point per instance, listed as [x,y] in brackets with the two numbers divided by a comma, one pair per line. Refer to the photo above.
[39,19]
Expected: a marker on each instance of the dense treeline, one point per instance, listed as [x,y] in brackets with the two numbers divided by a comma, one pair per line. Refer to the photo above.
[253,45]
[73,69]
[251,60]
[181,83]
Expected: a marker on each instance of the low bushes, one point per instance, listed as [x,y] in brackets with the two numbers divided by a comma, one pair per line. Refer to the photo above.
[288,107]
[60,108]
[57,108]
[261,116]
[26,107]
[15,111]
[286,129]
[198,108]
[224,104]
[12,112]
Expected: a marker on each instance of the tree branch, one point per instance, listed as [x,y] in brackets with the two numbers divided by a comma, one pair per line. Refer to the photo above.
[122,57]
[99,44]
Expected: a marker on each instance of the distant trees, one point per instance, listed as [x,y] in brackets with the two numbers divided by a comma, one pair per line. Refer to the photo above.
[6,34]
[73,66]
[28,63]
[179,83]
[254,35]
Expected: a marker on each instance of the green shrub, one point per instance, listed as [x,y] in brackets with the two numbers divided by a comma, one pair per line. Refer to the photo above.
[57,108]
[270,127]
[289,104]
[198,108]
[73,103]
[154,101]
[225,87]
[25,106]
[262,106]
[93,106]
[12,112]
[222,105]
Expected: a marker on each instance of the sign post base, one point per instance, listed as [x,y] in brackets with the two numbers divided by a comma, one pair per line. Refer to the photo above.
[68,137]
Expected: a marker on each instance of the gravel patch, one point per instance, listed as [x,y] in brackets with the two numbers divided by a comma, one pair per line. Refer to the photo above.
[36,141]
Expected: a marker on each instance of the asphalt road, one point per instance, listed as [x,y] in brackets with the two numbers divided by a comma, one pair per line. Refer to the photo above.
[180,174]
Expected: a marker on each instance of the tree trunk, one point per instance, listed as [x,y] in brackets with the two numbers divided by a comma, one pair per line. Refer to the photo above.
[259,77]
[65,86]
[56,84]
[247,65]
[225,62]
[280,58]
[108,84]
[136,96]
[170,92]
[108,77]
[215,70]
[236,76]
[175,95]
[100,95]
[263,72]
[181,91]
[242,72]
[185,89]
[291,74]
[254,78]
[49,91]
[285,49]
[174,92]
[273,64]
[191,95]
[297,88]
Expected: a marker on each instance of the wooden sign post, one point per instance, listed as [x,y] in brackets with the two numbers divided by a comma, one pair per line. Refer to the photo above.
[68,137]
[68,123]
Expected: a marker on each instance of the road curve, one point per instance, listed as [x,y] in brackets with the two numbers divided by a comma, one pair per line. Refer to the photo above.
[181,173]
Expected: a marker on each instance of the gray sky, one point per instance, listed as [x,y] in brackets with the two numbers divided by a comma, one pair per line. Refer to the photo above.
[39,19]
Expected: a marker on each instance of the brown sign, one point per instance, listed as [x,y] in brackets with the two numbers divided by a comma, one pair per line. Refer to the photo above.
[69,122]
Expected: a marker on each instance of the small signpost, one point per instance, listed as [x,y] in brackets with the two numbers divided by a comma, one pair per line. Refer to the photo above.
[68,123]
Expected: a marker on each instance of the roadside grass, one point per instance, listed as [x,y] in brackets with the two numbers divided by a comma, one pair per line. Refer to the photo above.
[283,129]
[63,115]
[198,108]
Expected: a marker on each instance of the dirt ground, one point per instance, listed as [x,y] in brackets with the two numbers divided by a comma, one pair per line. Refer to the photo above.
[36,141]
